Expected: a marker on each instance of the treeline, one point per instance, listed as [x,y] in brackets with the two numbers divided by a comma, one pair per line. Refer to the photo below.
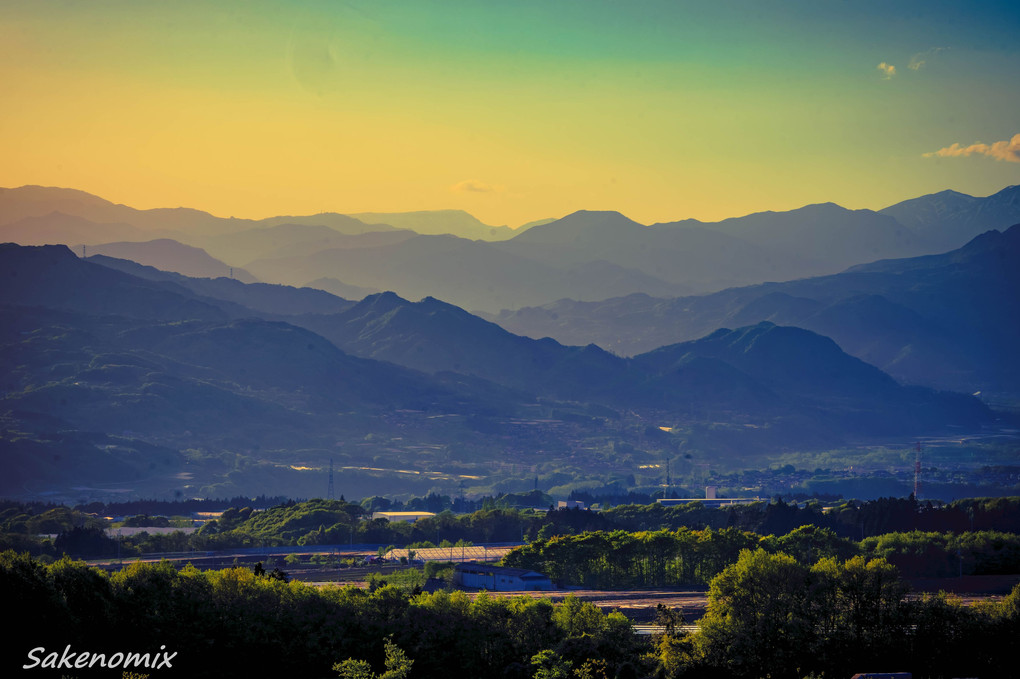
[770,615]
[851,519]
[334,522]
[234,623]
[692,558]
[177,507]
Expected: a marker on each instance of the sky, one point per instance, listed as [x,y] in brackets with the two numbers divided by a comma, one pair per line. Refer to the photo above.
[513,111]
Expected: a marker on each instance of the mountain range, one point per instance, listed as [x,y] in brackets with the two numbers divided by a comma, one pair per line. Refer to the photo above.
[950,321]
[759,371]
[230,385]
[585,256]
[159,360]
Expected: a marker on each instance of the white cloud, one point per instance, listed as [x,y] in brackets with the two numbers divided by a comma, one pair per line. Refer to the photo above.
[1008,151]
[888,70]
[920,60]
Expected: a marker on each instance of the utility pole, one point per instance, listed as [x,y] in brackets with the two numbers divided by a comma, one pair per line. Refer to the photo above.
[329,491]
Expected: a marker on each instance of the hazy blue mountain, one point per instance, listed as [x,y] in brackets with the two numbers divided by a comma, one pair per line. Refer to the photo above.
[341,289]
[292,240]
[344,224]
[947,320]
[169,255]
[691,258]
[471,274]
[948,219]
[704,257]
[114,366]
[239,383]
[242,298]
[802,372]
[56,228]
[433,336]
[818,239]
[586,256]
[438,223]
[35,201]
[759,371]
[52,276]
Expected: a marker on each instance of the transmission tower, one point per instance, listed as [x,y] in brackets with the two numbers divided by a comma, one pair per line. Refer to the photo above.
[329,491]
[917,471]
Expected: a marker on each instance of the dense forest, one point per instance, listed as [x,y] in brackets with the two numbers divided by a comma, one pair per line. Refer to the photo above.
[769,615]
[692,558]
[319,522]
[794,590]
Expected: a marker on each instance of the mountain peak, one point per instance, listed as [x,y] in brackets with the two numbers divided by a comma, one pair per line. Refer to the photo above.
[54,254]
[382,300]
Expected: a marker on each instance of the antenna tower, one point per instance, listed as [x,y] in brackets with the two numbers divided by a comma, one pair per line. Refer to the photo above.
[917,471]
[329,491]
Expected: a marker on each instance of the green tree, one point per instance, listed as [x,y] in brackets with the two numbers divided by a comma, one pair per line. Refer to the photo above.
[549,665]
[758,622]
[857,612]
[398,665]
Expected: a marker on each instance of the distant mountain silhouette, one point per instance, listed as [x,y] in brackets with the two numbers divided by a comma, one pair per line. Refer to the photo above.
[292,240]
[690,258]
[56,228]
[760,371]
[433,336]
[585,256]
[52,276]
[947,321]
[335,221]
[35,201]
[438,223]
[826,234]
[341,289]
[105,366]
[237,299]
[948,219]
[169,255]
[471,274]
[803,372]
[104,363]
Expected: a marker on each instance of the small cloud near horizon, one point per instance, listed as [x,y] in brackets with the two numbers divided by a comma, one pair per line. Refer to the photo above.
[1008,151]
[473,186]
[919,60]
[888,70]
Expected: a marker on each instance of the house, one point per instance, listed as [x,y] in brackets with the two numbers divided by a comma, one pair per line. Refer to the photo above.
[499,579]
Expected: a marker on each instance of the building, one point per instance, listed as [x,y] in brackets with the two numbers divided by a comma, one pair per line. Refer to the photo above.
[500,579]
[456,553]
[710,499]
[402,516]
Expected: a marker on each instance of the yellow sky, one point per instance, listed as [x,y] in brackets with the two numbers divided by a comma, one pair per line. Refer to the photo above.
[671,111]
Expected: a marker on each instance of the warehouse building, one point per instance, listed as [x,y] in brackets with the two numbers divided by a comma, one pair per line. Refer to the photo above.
[500,579]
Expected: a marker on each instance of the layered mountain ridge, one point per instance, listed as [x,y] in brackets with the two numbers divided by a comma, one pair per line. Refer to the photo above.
[585,256]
